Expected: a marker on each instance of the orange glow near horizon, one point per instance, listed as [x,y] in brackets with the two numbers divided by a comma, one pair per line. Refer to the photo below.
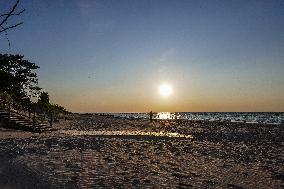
[144,103]
[193,96]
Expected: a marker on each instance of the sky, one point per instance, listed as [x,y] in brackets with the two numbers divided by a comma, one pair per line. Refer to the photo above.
[112,55]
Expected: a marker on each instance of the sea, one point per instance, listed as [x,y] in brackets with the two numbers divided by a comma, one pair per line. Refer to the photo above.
[241,117]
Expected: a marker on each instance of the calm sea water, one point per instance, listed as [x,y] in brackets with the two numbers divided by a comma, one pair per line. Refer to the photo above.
[245,117]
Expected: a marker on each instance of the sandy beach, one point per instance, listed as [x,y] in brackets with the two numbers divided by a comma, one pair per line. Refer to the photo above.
[217,155]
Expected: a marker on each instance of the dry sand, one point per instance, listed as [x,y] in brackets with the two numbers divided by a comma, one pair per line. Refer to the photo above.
[220,155]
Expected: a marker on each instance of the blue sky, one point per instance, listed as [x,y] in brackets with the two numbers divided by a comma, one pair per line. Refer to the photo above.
[113,55]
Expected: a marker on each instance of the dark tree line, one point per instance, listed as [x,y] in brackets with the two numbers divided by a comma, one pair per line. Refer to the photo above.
[19,83]
[46,106]
[18,77]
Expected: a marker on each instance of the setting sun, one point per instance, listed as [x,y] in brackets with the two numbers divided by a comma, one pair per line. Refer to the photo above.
[165,90]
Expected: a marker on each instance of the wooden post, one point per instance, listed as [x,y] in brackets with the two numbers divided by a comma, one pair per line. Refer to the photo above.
[29,112]
[50,119]
[34,119]
[9,111]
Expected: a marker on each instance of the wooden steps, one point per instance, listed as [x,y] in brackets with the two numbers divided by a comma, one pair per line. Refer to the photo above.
[21,122]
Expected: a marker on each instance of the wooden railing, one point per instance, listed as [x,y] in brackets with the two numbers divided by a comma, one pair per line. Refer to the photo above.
[11,106]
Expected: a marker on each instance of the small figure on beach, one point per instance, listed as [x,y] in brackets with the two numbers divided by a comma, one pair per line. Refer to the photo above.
[151,116]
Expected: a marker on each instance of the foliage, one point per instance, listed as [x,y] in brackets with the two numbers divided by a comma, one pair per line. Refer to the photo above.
[43,97]
[57,109]
[46,107]
[17,77]
[5,99]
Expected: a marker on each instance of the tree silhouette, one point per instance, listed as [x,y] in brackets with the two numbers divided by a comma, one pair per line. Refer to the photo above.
[17,77]
[43,97]
[45,107]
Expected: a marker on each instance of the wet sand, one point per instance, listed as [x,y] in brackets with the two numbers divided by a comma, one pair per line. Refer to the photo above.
[219,155]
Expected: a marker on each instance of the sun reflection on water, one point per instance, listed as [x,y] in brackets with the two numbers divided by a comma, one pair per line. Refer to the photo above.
[167,115]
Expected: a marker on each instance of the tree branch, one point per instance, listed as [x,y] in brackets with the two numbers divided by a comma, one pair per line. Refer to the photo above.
[16,14]
[10,27]
[10,13]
